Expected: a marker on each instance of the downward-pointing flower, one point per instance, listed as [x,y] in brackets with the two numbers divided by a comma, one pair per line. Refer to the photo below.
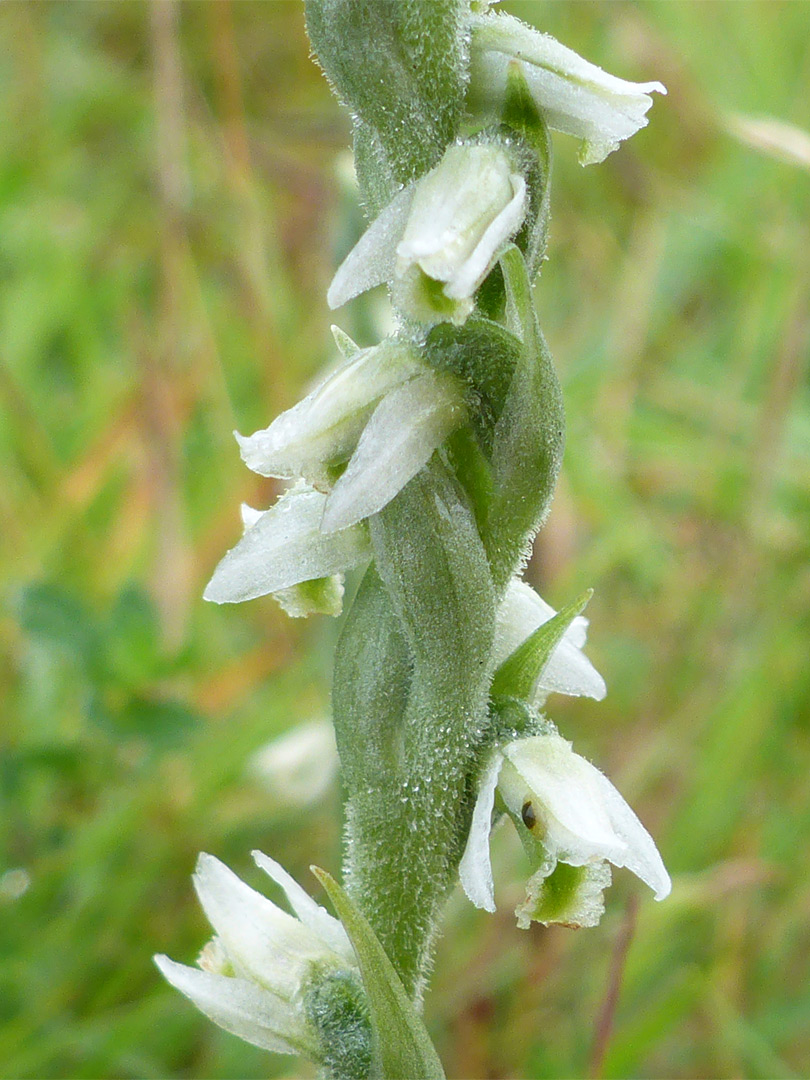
[440,237]
[575,96]
[355,441]
[256,971]
[573,822]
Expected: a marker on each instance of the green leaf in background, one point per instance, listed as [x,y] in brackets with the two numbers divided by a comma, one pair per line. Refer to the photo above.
[53,616]
[402,1049]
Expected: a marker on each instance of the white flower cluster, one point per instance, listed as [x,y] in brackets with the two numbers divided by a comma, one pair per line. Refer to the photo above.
[348,448]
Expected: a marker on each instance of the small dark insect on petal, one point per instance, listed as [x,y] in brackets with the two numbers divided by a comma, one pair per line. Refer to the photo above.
[528,815]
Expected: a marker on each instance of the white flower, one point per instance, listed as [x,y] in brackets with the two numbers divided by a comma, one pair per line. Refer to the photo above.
[257,967]
[321,432]
[299,766]
[440,237]
[568,670]
[575,96]
[355,441]
[577,819]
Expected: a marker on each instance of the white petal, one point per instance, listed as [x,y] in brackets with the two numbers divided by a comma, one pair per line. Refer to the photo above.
[584,816]
[454,207]
[263,942]
[283,547]
[475,868]
[249,515]
[401,436]
[568,670]
[373,258]
[642,856]
[483,258]
[325,426]
[312,915]
[240,1007]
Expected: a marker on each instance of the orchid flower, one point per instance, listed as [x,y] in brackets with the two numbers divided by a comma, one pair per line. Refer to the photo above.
[439,237]
[574,817]
[354,442]
[252,975]
[574,96]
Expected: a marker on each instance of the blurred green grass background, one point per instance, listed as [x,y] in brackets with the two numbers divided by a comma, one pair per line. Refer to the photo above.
[170,214]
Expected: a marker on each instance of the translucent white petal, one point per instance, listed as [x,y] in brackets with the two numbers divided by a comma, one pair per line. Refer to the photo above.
[568,671]
[299,766]
[576,97]
[475,868]
[240,1007]
[263,942]
[312,915]
[641,855]
[325,426]
[284,546]
[462,211]
[249,515]
[373,258]
[402,434]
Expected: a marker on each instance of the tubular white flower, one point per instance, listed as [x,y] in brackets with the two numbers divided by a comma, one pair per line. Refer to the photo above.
[575,96]
[323,429]
[568,670]
[359,437]
[256,968]
[440,237]
[572,810]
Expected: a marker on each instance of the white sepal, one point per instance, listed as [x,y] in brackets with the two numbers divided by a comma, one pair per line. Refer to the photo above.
[241,1007]
[312,916]
[283,547]
[406,427]
[575,96]
[475,868]
[568,670]
[373,258]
